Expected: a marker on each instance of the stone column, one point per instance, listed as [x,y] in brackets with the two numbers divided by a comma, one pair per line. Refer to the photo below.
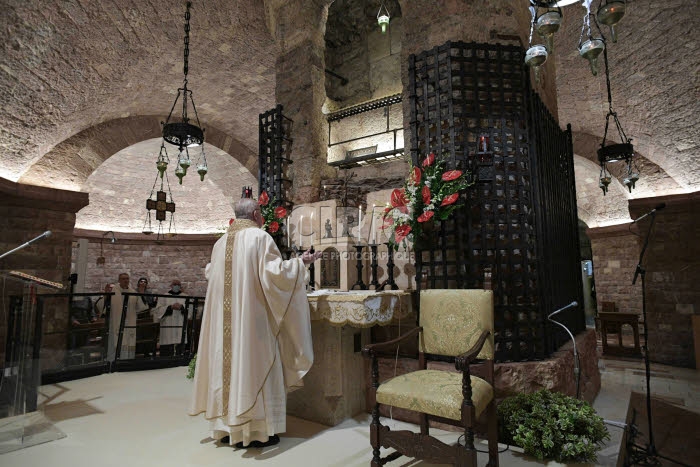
[299,29]
[25,212]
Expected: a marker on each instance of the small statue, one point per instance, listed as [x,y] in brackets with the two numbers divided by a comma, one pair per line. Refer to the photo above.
[329,229]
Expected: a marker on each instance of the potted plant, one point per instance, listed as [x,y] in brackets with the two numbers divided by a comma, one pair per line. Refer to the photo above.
[551,425]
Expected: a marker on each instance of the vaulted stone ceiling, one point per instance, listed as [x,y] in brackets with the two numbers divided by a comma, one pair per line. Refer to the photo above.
[68,66]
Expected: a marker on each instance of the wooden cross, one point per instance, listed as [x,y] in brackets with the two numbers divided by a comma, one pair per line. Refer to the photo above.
[160,205]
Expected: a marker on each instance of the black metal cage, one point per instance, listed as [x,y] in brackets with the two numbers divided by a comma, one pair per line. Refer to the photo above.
[517,234]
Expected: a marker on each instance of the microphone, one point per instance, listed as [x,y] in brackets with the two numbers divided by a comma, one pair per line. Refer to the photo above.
[45,234]
[658,207]
[570,305]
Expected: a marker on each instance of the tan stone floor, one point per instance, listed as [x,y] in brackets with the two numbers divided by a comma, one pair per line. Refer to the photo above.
[139,419]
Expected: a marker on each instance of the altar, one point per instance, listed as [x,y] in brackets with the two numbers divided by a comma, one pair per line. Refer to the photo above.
[334,388]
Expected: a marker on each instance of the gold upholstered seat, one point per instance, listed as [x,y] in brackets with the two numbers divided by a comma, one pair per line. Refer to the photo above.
[455,325]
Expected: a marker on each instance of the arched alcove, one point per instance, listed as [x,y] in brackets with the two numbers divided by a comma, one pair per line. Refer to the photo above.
[120,186]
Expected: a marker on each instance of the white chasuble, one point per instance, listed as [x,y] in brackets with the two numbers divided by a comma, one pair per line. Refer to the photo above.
[255,340]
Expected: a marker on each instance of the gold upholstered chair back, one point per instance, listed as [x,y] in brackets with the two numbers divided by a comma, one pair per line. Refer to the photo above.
[453,320]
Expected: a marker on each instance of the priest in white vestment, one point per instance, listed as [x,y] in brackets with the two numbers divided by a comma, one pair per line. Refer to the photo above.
[255,341]
[135,305]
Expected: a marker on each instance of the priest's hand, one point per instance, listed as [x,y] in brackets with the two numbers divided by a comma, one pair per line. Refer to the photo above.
[307,257]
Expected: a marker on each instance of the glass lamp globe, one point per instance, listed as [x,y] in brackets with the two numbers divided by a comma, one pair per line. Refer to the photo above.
[590,50]
[547,25]
[610,14]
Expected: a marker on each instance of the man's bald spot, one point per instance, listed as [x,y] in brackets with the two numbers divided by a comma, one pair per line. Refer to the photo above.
[244,208]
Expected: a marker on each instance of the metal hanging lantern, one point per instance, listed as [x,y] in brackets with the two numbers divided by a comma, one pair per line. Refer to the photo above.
[536,55]
[623,151]
[383,17]
[547,24]
[610,13]
[184,134]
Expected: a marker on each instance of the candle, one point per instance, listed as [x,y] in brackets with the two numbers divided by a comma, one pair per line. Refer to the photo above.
[373,227]
[359,224]
[301,223]
[289,231]
[311,225]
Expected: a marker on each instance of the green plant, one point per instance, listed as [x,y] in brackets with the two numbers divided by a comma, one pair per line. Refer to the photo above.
[550,425]
[191,367]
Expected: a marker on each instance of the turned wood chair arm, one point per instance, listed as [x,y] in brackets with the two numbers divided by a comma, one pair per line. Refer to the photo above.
[371,349]
[463,361]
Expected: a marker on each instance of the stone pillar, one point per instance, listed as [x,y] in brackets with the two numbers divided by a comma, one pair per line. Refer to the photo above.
[25,212]
[672,262]
[299,28]
[429,23]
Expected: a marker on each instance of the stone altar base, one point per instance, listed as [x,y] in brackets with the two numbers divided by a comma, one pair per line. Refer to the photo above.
[555,373]
[334,388]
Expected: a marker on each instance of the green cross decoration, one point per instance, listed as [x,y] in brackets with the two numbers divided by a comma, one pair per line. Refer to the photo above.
[160,205]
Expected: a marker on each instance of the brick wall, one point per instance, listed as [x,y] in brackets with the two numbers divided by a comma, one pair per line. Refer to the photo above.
[25,212]
[672,261]
[615,256]
[183,257]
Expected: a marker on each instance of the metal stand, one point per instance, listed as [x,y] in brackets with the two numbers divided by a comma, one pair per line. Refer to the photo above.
[389,270]
[646,455]
[360,283]
[374,265]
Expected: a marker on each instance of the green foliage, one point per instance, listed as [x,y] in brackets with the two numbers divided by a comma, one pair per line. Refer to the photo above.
[550,425]
[191,367]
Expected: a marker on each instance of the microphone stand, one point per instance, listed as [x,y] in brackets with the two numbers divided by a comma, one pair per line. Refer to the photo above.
[24,245]
[648,456]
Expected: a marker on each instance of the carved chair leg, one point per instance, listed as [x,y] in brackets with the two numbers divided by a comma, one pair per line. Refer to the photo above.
[492,434]
[374,437]
[424,428]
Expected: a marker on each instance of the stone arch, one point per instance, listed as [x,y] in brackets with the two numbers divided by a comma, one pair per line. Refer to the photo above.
[653,179]
[594,209]
[70,163]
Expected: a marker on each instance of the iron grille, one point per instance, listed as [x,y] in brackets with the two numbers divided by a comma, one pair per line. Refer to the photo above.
[503,237]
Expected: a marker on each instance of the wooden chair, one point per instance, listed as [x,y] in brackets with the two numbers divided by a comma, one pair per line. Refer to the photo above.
[455,325]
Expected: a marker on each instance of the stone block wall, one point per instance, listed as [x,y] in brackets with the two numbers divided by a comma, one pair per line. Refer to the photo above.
[25,212]
[182,257]
[615,256]
[672,262]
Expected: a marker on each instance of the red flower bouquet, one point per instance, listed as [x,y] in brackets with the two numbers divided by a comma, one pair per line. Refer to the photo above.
[274,216]
[429,193]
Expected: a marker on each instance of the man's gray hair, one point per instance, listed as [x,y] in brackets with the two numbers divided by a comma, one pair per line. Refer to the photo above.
[244,208]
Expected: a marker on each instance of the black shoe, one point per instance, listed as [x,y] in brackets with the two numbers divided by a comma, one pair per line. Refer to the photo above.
[274,439]
[225,440]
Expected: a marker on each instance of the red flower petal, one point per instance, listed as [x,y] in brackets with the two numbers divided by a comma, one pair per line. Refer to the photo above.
[401,232]
[231,221]
[429,160]
[264,199]
[425,192]
[415,176]
[426,216]
[451,175]
[398,198]
[449,199]
[280,212]
[273,227]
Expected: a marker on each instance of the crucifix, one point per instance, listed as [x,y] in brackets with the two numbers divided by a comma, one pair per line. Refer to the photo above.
[160,205]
